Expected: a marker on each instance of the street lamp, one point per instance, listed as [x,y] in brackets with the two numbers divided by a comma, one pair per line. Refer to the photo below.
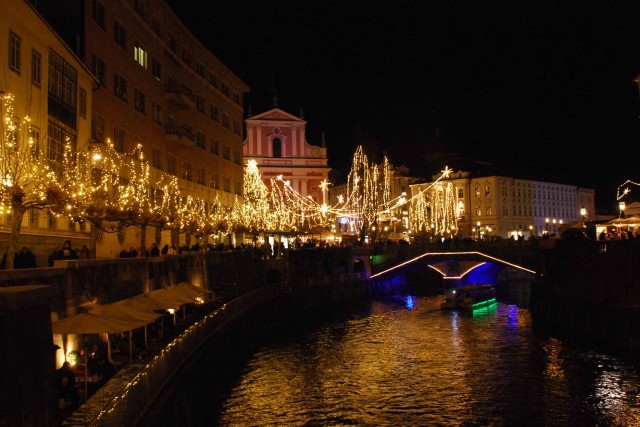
[546,225]
[622,206]
[478,228]
[554,225]
[583,212]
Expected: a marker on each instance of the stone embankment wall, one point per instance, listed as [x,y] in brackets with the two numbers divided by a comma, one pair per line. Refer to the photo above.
[590,291]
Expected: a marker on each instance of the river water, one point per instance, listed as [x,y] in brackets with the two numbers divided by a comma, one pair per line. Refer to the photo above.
[402,361]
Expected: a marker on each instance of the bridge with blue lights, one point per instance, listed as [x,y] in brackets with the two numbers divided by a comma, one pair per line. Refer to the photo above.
[457,267]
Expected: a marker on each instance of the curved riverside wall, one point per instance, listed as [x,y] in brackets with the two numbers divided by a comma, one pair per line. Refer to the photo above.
[179,383]
[590,291]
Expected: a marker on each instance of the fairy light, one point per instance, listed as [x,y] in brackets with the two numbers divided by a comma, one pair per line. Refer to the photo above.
[28,178]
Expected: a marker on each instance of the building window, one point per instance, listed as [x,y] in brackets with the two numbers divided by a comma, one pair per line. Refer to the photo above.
[460,193]
[157,113]
[186,57]
[237,157]
[33,217]
[213,80]
[51,220]
[63,81]
[488,210]
[120,86]
[186,171]
[200,69]
[34,141]
[156,69]
[214,113]
[236,127]
[119,136]
[82,102]
[156,159]
[215,147]
[226,90]
[477,191]
[200,178]
[173,44]
[36,67]
[56,140]
[478,211]
[237,188]
[14,52]
[226,152]
[139,101]
[98,70]
[487,190]
[277,147]
[97,13]
[225,120]
[201,140]
[215,182]
[97,128]
[200,104]
[227,184]
[236,98]
[171,165]
[140,55]
[120,35]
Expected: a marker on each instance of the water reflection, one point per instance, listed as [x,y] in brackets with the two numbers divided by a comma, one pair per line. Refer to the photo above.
[406,362]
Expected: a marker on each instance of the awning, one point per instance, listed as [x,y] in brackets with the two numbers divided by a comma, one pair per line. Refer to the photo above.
[121,311]
[84,323]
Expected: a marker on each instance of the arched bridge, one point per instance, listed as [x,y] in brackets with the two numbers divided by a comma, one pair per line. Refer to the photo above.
[460,266]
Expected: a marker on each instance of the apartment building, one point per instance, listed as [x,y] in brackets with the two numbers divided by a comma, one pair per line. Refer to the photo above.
[159,86]
[52,87]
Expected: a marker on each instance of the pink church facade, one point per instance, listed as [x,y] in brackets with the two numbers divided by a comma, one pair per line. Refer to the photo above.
[276,140]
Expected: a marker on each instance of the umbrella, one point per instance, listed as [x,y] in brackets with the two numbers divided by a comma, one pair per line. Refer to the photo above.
[122,311]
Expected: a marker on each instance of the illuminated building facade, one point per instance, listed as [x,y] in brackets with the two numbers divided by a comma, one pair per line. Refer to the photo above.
[506,207]
[277,141]
[53,88]
[159,87]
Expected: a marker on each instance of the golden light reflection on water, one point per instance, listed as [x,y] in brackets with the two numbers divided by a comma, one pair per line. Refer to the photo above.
[390,365]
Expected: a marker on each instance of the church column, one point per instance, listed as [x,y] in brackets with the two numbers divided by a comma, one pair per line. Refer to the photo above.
[294,141]
[258,135]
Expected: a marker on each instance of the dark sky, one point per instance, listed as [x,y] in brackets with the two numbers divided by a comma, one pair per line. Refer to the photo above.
[542,90]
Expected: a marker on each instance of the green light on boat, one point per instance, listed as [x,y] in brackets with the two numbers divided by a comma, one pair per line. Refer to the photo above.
[483,304]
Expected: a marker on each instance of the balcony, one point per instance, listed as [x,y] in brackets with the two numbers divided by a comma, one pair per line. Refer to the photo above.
[179,136]
[180,97]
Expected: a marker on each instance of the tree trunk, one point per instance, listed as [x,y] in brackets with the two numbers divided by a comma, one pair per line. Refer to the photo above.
[93,240]
[143,238]
[16,225]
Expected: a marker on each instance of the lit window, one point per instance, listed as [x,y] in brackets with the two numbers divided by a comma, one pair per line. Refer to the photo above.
[140,55]
[477,191]
[186,171]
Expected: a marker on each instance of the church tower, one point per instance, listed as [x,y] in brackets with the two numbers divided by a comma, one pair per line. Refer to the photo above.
[276,140]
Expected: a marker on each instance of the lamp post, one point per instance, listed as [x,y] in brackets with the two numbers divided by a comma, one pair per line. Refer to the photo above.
[530,232]
[478,229]
[546,225]
[554,228]
[583,212]
[622,206]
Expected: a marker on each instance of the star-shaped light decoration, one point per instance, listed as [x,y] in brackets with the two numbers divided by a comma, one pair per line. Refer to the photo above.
[324,184]
[341,199]
[446,172]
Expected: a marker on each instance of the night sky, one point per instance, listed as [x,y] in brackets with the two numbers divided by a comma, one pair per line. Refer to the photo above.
[540,90]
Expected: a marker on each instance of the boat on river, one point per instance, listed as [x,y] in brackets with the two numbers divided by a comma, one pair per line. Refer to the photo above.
[470,297]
